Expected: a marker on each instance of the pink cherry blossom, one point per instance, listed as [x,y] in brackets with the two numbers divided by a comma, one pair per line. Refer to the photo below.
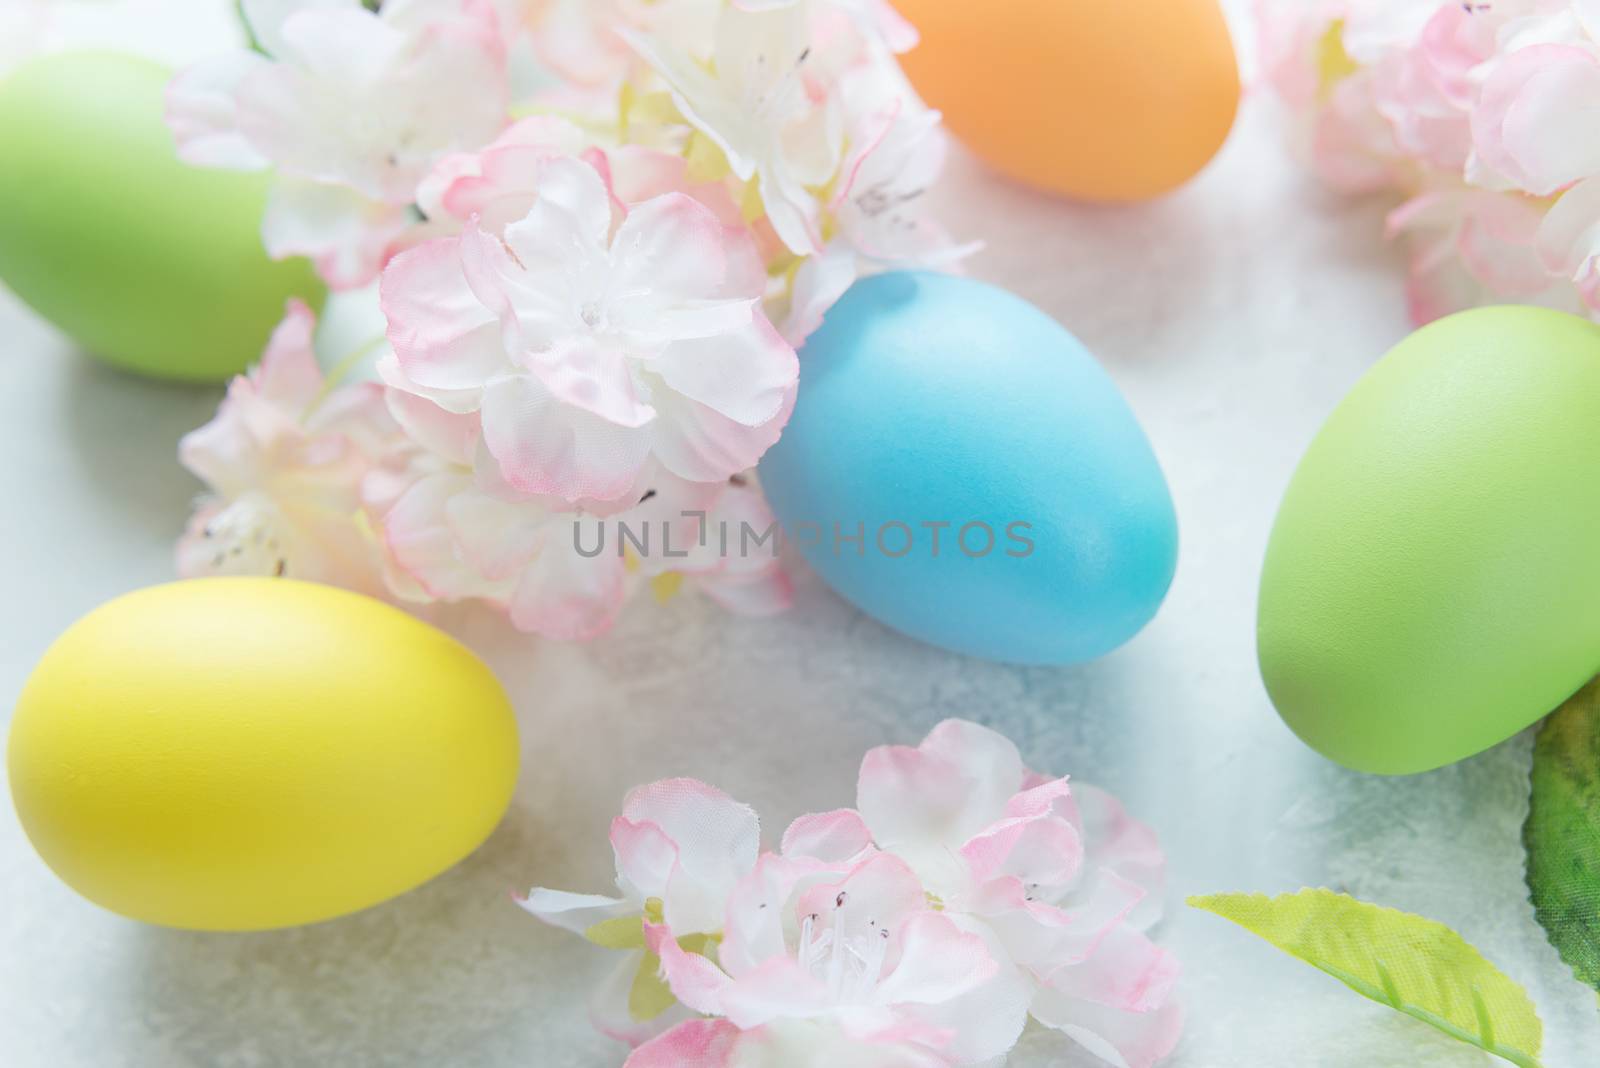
[879,210]
[579,39]
[1491,237]
[678,842]
[1060,879]
[1056,885]
[717,1043]
[923,929]
[1476,116]
[1287,42]
[347,236]
[733,562]
[1352,146]
[1375,30]
[1426,92]
[450,535]
[351,108]
[779,126]
[681,847]
[580,303]
[1569,239]
[897,154]
[497,184]
[856,946]
[594,349]
[283,462]
[1533,128]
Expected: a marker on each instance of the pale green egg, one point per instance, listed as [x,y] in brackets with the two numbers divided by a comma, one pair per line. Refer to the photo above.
[146,262]
[1432,584]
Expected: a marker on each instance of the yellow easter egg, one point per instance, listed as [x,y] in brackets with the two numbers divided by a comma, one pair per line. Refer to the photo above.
[1103,100]
[245,753]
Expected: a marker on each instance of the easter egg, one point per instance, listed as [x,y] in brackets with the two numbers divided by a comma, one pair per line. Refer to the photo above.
[1104,100]
[244,753]
[959,467]
[147,263]
[1431,581]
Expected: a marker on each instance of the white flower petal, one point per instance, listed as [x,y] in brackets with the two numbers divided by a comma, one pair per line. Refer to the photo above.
[698,443]
[201,111]
[348,235]
[645,856]
[609,1009]
[818,284]
[265,18]
[437,430]
[443,336]
[578,191]
[749,376]
[938,963]
[671,250]
[1121,1039]
[986,1021]
[567,597]
[1569,238]
[717,839]
[341,40]
[931,800]
[498,537]
[420,542]
[840,836]
[754,931]
[542,446]
[574,912]
[596,376]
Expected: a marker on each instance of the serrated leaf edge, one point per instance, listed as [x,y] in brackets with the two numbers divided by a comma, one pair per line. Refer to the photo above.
[1528,849]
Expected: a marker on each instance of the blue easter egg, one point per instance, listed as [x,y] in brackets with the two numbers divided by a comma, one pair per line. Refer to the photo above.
[959,468]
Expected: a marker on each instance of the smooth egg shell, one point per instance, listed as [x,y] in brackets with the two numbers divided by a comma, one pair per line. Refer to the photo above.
[244,753]
[929,399]
[1103,100]
[1431,581]
[147,263]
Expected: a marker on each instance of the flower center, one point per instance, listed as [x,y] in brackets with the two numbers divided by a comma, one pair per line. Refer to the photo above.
[846,954]
[245,539]
[774,92]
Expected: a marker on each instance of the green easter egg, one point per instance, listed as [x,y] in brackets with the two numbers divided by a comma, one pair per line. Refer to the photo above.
[1432,583]
[150,264]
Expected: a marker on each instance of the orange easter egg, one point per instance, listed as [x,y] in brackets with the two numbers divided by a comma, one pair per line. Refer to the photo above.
[1106,100]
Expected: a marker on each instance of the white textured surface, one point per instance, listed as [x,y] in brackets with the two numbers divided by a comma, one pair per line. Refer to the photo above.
[1235,315]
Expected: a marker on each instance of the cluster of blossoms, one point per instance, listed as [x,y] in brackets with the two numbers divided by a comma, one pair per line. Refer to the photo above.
[1480,114]
[921,929]
[596,230]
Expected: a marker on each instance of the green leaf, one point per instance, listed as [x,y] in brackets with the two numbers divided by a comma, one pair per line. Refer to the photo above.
[1563,832]
[1413,965]
[1334,64]
[619,932]
[706,160]
[751,206]
[650,996]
